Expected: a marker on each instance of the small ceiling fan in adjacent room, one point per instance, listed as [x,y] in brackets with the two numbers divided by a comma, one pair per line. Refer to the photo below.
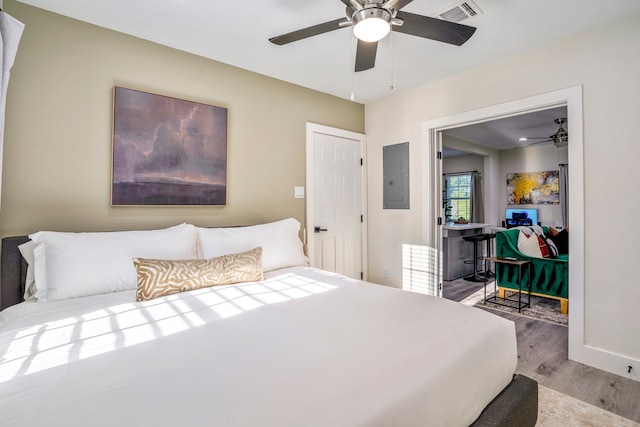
[372,20]
[559,139]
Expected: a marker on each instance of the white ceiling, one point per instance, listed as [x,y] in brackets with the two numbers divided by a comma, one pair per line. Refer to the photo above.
[237,32]
[504,134]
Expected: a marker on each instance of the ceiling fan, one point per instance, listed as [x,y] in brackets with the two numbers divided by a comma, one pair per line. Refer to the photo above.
[373,19]
[559,139]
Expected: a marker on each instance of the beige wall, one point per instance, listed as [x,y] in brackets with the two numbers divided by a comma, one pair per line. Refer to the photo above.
[57,153]
[466,163]
[606,63]
[535,158]
[490,169]
[529,159]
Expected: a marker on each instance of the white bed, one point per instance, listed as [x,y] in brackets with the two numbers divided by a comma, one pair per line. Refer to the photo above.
[301,347]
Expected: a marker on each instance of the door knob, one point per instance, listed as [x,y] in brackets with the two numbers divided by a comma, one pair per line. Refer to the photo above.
[318,229]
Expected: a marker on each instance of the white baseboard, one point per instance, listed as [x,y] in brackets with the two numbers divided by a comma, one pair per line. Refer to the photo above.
[607,361]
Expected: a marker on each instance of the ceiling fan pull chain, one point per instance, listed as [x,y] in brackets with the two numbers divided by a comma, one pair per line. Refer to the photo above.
[392,86]
[353,61]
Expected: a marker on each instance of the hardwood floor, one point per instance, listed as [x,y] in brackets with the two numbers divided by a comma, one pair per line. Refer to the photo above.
[542,355]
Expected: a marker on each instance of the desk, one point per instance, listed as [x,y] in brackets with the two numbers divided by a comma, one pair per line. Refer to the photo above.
[506,301]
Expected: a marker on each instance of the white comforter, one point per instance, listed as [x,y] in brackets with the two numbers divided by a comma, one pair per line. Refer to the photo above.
[302,348]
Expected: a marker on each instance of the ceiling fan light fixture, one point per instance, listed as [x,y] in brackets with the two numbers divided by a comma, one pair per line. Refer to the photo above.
[371,24]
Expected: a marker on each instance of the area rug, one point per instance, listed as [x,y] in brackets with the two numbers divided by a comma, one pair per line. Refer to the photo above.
[556,409]
[545,309]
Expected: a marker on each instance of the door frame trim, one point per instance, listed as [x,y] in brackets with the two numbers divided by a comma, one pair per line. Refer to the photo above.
[313,128]
[579,350]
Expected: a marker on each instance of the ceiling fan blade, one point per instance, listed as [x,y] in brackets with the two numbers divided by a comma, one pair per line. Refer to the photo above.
[366,55]
[307,32]
[346,2]
[537,142]
[395,4]
[401,3]
[434,29]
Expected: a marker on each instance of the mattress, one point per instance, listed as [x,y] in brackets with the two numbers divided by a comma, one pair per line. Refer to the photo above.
[303,347]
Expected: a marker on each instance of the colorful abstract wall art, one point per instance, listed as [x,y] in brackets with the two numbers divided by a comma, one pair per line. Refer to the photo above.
[525,188]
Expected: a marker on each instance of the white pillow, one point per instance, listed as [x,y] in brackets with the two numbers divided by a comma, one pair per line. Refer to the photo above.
[70,265]
[281,245]
[26,249]
[529,245]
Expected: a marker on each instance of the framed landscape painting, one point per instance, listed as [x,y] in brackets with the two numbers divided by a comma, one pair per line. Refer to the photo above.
[167,151]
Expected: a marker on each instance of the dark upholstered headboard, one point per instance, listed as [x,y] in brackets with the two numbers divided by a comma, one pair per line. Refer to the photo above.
[13,269]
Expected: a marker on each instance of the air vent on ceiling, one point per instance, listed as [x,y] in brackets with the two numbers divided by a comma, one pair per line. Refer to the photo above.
[461,11]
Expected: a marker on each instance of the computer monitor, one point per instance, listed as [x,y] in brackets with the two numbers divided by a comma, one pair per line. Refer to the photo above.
[521,217]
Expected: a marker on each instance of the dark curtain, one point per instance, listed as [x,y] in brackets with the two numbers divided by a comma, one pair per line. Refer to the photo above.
[564,194]
[477,199]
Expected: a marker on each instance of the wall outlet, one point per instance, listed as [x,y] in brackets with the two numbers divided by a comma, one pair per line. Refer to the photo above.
[298,192]
[386,273]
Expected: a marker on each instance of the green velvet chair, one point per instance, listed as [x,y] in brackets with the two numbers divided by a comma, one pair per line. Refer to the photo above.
[549,276]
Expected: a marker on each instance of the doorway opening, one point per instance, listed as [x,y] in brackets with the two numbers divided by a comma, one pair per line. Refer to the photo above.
[433,231]
[498,148]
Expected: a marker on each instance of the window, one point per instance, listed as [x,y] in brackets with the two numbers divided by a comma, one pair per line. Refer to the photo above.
[458,196]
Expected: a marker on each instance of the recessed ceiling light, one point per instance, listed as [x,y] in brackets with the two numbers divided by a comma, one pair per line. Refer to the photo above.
[522,139]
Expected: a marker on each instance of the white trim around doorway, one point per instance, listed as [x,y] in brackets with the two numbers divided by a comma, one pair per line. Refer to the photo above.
[571,97]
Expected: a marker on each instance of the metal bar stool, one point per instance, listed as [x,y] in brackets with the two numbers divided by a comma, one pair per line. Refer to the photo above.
[477,239]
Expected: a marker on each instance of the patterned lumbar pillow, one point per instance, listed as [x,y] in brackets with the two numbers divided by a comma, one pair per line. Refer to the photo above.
[158,278]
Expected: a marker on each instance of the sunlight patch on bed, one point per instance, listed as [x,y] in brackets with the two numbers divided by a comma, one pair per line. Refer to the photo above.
[74,338]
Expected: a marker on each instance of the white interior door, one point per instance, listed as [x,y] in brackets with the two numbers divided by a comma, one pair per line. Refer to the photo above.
[335,216]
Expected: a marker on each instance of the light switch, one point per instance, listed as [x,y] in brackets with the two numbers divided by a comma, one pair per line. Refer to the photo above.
[298,192]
